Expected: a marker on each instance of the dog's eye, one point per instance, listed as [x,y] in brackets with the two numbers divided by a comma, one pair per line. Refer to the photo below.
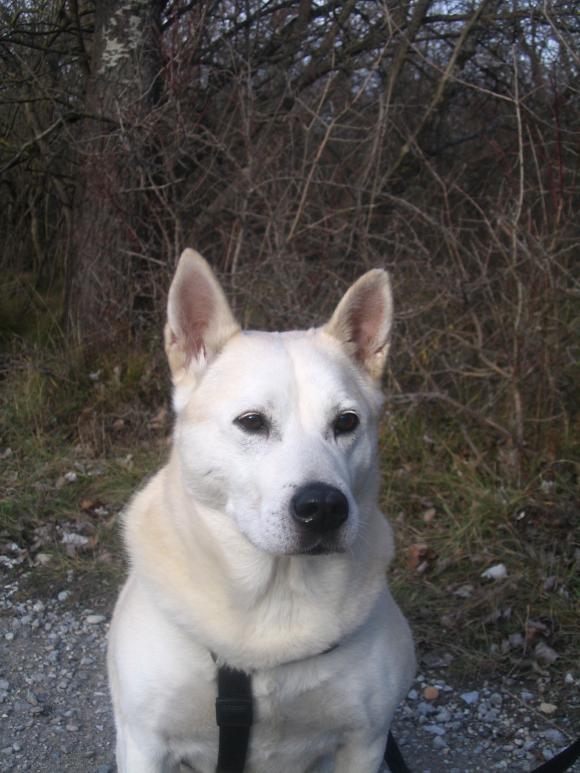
[252,422]
[345,422]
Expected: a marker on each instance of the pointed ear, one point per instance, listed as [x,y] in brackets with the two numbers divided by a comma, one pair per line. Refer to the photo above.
[362,321]
[199,319]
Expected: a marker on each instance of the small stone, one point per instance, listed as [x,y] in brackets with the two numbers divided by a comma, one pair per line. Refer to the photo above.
[497,572]
[4,685]
[434,729]
[547,754]
[439,743]
[464,591]
[430,693]
[423,709]
[470,697]
[569,679]
[63,595]
[74,540]
[526,696]
[555,737]
[9,636]
[413,695]
[547,708]
[95,619]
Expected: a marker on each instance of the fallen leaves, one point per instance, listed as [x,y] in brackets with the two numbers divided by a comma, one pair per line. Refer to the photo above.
[67,478]
[421,557]
[544,653]
[429,514]
[534,629]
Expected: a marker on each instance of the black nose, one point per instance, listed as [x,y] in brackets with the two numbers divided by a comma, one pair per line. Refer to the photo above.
[319,507]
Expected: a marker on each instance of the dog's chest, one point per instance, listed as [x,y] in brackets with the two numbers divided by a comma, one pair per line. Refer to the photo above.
[294,719]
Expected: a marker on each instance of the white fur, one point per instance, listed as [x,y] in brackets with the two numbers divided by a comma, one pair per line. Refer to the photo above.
[218,564]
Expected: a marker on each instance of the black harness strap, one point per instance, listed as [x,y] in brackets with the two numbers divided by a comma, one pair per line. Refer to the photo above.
[562,761]
[234,715]
[393,756]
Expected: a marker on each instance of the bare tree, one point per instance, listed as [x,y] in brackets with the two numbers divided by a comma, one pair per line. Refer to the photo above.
[123,88]
[296,143]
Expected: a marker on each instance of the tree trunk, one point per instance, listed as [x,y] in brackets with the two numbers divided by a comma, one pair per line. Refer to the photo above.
[123,87]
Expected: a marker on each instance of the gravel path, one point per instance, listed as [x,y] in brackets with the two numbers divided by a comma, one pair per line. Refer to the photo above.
[55,715]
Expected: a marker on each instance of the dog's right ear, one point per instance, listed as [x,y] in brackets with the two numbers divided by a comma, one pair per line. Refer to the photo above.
[362,321]
[199,319]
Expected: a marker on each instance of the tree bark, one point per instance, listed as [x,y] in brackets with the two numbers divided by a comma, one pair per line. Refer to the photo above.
[123,86]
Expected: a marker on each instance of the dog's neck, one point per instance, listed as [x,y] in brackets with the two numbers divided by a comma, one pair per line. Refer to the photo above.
[254,610]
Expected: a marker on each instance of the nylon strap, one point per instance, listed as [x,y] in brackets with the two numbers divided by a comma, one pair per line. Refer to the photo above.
[393,756]
[562,761]
[234,716]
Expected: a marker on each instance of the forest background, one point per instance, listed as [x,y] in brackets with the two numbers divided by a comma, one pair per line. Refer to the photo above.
[297,144]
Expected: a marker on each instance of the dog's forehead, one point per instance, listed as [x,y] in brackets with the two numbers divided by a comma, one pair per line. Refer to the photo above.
[270,364]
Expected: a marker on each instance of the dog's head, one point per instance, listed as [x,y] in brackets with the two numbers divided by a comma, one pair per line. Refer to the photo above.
[278,430]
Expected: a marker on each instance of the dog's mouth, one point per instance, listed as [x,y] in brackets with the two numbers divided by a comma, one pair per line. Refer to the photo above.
[321,549]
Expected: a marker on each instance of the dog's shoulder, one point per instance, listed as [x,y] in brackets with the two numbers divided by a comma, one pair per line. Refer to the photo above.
[146,508]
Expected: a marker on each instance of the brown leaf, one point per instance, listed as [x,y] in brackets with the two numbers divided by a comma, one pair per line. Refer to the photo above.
[420,554]
[93,506]
[159,420]
[534,629]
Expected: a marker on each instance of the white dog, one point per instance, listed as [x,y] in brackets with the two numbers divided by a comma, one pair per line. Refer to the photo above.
[260,545]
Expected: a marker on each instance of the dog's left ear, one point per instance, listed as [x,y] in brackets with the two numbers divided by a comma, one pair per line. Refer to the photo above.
[362,321]
[199,318]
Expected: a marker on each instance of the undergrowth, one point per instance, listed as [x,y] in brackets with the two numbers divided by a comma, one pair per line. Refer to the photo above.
[456,514]
[78,435]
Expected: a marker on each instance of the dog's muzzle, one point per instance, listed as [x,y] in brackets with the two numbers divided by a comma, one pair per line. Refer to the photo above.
[319,508]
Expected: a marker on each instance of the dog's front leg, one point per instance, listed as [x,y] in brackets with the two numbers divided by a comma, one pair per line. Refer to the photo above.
[135,758]
[360,753]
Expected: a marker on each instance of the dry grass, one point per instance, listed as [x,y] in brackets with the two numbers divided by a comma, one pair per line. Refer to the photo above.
[456,514]
[75,445]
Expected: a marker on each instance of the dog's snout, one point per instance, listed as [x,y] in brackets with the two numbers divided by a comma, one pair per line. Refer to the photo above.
[319,507]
